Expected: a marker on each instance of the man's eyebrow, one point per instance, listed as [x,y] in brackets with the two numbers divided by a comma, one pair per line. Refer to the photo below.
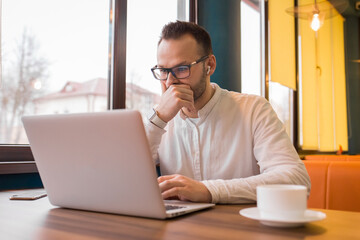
[177,65]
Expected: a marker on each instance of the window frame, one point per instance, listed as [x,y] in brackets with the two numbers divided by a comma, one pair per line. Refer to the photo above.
[15,159]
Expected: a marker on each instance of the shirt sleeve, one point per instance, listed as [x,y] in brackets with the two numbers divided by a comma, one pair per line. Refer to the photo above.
[276,157]
[154,135]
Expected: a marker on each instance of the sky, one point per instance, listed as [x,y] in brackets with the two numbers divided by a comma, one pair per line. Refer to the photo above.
[145,21]
[73,35]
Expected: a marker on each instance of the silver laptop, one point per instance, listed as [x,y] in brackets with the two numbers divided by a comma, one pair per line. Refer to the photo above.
[100,162]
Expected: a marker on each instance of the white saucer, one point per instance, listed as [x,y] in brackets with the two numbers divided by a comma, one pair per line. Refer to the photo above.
[309,216]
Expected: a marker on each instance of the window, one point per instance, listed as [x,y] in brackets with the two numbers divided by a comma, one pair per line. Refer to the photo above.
[145,20]
[252,58]
[54,60]
[281,99]
[251,47]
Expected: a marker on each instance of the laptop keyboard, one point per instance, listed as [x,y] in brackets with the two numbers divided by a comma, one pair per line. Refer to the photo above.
[172,207]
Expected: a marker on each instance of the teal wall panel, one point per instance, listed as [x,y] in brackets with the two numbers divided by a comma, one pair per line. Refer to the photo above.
[222,20]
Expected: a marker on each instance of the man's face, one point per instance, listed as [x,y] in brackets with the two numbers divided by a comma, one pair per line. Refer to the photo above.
[183,51]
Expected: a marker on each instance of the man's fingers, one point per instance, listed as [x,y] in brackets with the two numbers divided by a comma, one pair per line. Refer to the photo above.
[183,188]
[173,187]
[184,98]
[168,184]
[173,193]
[163,86]
[174,87]
[174,98]
[182,92]
[166,177]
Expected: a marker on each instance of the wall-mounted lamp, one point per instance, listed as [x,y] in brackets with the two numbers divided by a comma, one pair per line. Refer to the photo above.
[317,12]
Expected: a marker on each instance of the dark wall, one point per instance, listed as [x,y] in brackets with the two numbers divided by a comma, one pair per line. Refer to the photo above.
[20,181]
[352,52]
[222,20]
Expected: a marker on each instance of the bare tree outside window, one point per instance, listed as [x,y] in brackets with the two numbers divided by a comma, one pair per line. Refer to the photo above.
[24,74]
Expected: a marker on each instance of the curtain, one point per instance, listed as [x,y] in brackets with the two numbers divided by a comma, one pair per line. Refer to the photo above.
[282,43]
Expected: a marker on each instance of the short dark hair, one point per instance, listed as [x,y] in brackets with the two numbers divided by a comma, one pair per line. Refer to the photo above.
[175,30]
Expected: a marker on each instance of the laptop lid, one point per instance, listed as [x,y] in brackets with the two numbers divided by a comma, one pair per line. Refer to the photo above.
[97,162]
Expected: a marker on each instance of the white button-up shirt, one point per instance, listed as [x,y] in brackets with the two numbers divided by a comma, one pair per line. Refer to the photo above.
[236,144]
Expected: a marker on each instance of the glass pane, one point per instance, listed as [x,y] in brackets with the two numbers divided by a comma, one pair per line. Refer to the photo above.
[144,23]
[280,98]
[54,60]
[250,47]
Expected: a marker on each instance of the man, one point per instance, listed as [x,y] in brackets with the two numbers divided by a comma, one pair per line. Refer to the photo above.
[213,145]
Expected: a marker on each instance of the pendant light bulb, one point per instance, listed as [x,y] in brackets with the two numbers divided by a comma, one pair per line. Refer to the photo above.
[315,22]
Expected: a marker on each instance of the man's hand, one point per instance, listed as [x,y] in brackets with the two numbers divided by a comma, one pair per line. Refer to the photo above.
[183,188]
[173,99]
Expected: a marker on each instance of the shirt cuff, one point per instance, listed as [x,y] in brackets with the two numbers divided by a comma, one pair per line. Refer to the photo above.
[153,130]
[213,189]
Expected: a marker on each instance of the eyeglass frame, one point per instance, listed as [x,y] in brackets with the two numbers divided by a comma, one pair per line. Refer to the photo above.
[168,70]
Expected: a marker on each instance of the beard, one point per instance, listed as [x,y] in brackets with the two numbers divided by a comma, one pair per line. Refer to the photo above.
[200,88]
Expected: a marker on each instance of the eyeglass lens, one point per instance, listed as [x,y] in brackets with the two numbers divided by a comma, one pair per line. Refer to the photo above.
[178,72]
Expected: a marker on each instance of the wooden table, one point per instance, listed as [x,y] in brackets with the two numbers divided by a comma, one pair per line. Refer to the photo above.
[40,220]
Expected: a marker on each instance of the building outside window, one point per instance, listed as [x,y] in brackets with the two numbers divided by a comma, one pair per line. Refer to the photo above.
[54,60]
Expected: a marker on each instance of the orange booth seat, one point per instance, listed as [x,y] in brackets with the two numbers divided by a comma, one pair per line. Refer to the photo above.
[333,157]
[334,184]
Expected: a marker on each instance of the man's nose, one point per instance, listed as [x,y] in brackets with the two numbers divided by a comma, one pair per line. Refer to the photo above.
[171,79]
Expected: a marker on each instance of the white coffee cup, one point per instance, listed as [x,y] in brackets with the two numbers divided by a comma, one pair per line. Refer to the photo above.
[281,201]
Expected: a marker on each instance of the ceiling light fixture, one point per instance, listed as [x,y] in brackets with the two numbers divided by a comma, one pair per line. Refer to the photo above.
[317,12]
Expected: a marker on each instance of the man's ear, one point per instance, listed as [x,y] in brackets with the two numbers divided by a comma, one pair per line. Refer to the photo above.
[211,65]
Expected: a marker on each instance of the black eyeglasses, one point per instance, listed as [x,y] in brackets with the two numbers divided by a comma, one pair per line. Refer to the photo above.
[178,72]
